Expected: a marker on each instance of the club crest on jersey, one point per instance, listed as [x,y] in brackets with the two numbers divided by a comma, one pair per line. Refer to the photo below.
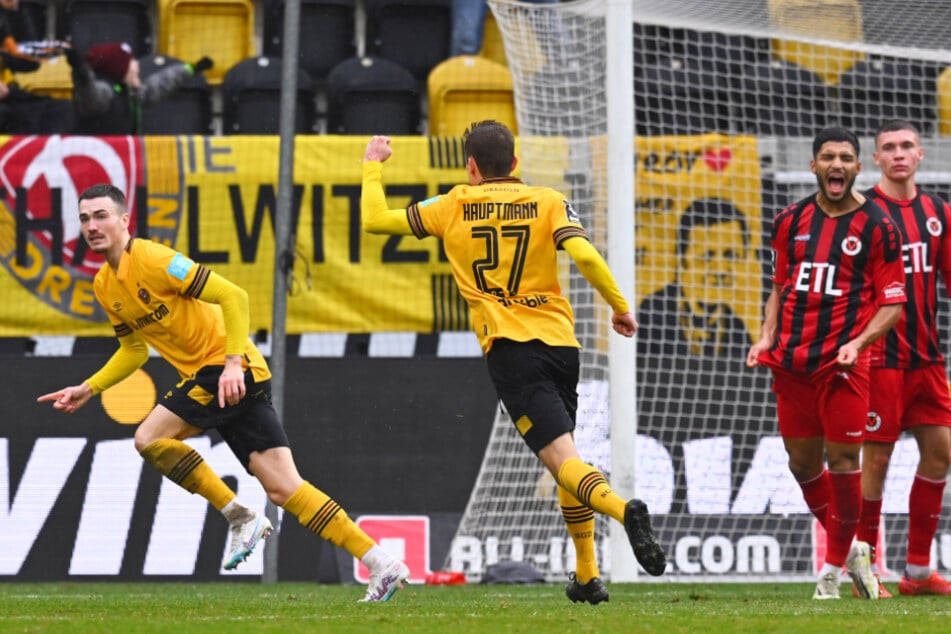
[933,226]
[144,296]
[851,245]
[874,422]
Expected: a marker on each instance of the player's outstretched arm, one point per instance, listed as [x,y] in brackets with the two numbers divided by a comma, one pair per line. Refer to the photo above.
[594,269]
[68,399]
[132,354]
[375,216]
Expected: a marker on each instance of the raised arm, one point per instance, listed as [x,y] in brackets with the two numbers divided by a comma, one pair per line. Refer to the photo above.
[375,216]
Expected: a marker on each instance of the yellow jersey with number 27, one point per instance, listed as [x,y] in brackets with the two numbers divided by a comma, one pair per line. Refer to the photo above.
[501,238]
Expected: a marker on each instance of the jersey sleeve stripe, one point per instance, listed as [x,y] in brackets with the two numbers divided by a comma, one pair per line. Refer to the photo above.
[416,221]
[198,283]
[564,233]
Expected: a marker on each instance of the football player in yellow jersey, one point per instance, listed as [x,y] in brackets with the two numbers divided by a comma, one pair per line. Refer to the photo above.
[501,237]
[157,297]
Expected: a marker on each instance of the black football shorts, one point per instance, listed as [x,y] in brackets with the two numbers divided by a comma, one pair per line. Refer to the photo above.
[538,385]
[249,426]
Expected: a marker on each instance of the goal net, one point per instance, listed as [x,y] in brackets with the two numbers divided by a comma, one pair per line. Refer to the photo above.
[727,96]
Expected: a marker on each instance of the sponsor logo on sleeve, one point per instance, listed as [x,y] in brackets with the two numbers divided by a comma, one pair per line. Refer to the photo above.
[894,290]
[179,266]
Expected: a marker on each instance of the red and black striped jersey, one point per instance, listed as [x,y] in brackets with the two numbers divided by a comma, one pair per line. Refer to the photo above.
[926,252]
[833,274]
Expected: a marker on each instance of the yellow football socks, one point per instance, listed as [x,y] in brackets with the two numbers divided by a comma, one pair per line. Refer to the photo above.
[580,522]
[324,517]
[591,488]
[185,467]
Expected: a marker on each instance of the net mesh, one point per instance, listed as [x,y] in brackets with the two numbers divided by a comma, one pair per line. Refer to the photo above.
[727,98]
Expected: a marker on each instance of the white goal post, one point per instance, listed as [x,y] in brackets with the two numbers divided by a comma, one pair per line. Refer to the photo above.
[711,106]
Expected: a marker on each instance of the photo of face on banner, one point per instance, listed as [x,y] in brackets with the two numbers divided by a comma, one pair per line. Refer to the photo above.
[694,314]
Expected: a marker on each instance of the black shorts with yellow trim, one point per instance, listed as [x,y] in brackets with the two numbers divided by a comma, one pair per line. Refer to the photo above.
[538,385]
[249,426]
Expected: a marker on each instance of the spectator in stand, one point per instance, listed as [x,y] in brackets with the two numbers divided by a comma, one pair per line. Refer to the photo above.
[909,380]
[468,25]
[108,93]
[21,26]
[23,112]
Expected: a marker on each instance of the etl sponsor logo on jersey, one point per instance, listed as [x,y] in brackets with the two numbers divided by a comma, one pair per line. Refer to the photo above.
[817,277]
[40,182]
[915,257]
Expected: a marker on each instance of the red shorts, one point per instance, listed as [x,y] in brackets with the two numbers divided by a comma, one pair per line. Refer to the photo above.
[902,399]
[831,402]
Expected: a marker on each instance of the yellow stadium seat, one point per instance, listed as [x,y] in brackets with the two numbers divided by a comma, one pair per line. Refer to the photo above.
[839,20]
[220,29]
[466,89]
[944,102]
[493,46]
[53,79]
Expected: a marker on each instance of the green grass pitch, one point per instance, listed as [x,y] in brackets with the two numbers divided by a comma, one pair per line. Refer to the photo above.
[238,608]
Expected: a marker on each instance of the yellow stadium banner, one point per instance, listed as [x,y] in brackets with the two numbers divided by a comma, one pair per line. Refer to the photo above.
[215,198]
[682,175]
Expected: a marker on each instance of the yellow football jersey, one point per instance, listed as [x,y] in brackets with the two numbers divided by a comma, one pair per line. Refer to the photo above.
[154,294]
[501,239]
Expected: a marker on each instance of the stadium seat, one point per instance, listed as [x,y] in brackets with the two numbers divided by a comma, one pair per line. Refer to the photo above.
[944,102]
[469,88]
[91,22]
[780,98]
[220,29]
[251,98]
[327,34]
[371,95]
[835,20]
[53,79]
[186,111]
[681,96]
[412,33]
[493,46]
[880,88]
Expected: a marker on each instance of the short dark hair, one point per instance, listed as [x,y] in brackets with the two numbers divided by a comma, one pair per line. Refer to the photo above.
[894,125]
[705,212]
[834,134]
[492,145]
[105,190]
